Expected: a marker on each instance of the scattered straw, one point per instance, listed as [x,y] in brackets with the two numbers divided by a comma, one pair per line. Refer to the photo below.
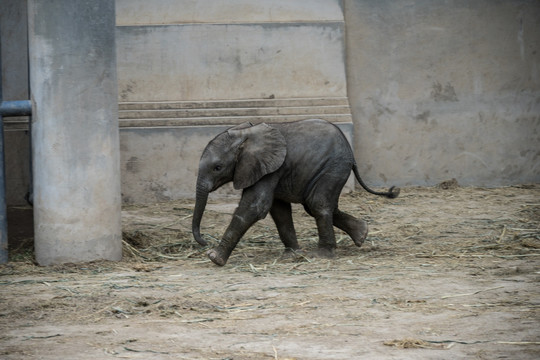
[470,294]
[410,343]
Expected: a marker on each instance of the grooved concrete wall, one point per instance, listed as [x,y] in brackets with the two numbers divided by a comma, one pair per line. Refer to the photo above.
[187,70]
[443,90]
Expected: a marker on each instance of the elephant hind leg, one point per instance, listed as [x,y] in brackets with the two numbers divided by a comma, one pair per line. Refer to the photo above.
[282,214]
[357,229]
[327,237]
[325,227]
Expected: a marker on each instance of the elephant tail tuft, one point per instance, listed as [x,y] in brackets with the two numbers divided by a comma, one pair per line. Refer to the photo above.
[392,193]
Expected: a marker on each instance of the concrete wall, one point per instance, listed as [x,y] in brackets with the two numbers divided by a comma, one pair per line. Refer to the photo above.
[189,69]
[443,90]
[437,89]
[231,61]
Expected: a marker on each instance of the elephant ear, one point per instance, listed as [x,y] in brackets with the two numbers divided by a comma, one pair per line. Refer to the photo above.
[262,152]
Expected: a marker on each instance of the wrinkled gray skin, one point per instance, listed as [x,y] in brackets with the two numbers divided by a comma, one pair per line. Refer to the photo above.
[305,162]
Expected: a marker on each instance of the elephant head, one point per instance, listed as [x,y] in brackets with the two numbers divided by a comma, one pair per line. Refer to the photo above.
[243,155]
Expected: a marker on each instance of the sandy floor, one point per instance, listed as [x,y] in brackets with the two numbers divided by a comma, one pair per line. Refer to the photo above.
[445,274]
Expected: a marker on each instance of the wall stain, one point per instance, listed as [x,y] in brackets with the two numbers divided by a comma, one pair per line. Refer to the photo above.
[127,90]
[446,93]
[132,165]
[423,116]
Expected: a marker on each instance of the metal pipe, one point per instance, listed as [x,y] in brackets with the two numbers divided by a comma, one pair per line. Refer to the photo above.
[15,108]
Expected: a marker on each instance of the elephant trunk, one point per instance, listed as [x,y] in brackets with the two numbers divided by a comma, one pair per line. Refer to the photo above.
[201,198]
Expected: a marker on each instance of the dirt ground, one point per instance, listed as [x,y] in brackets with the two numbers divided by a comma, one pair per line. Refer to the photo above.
[446,273]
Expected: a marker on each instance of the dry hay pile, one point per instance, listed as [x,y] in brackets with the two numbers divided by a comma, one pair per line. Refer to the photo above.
[448,222]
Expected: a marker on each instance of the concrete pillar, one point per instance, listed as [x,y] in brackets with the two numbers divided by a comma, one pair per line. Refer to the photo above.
[75,130]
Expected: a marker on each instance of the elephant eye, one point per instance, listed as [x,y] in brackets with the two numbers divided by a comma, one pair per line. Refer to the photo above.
[217,168]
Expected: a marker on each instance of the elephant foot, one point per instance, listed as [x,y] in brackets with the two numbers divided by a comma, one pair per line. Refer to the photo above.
[327,253]
[295,254]
[360,234]
[290,251]
[216,257]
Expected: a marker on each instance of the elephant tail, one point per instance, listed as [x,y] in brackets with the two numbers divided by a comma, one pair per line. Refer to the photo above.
[392,193]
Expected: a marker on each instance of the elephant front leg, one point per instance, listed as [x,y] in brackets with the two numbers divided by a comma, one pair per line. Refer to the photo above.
[236,229]
[255,204]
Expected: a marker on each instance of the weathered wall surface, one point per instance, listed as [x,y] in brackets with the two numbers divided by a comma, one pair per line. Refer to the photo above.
[443,90]
[231,61]
[189,69]
[203,50]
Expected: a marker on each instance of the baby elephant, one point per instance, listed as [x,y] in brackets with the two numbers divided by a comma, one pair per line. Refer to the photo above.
[306,162]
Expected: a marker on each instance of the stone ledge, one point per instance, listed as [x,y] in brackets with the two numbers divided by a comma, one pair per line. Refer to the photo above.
[232,120]
[240,103]
[223,112]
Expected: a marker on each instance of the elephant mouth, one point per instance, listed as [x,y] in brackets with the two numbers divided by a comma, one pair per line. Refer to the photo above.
[217,184]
